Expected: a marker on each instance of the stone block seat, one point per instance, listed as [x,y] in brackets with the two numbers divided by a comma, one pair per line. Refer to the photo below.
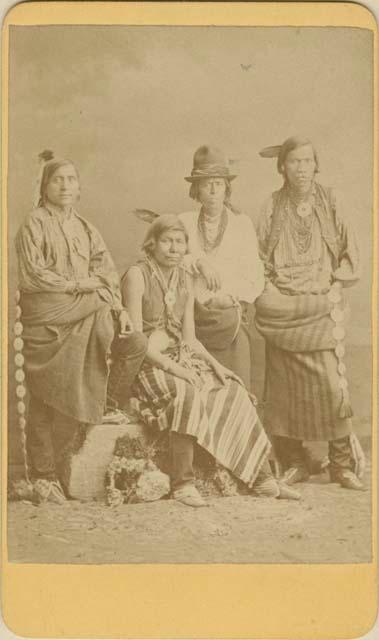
[123,462]
[85,468]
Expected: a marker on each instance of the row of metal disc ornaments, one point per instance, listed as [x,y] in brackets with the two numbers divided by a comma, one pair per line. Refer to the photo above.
[337,314]
[18,345]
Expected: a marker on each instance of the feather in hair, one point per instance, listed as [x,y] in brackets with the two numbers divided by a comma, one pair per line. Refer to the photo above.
[270,152]
[146,215]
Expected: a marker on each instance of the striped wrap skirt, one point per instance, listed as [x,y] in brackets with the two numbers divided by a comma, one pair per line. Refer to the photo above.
[222,418]
[302,395]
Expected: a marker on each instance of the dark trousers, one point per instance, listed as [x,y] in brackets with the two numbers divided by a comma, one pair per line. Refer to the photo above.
[127,355]
[48,436]
[181,459]
[291,452]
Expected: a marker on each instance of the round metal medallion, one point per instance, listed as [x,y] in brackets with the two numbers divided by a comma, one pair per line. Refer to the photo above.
[20,391]
[334,295]
[170,298]
[19,375]
[21,408]
[18,344]
[337,314]
[18,328]
[338,333]
[340,350]
[304,209]
[19,360]
[341,368]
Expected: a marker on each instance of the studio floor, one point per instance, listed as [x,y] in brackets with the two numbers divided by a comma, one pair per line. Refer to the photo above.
[328,525]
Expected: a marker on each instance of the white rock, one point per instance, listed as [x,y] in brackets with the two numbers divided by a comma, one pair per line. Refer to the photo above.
[84,474]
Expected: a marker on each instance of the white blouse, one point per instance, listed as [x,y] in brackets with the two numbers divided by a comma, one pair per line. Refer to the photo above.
[236,259]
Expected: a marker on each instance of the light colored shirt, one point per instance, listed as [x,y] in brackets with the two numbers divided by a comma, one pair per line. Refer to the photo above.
[236,259]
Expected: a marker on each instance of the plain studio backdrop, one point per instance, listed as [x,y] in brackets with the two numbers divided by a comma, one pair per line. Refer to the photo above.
[129,106]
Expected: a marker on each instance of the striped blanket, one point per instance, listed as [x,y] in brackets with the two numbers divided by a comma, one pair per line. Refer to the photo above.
[221,417]
[295,323]
[303,395]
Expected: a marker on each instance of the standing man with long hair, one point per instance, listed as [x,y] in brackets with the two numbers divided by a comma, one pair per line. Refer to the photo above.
[310,255]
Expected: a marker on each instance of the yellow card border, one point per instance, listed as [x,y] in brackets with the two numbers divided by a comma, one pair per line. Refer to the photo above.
[188,601]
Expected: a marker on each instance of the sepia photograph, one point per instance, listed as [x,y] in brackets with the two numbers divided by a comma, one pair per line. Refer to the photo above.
[190,251]
[189,320]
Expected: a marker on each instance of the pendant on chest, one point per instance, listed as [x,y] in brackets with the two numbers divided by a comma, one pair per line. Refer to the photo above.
[170,298]
[304,209]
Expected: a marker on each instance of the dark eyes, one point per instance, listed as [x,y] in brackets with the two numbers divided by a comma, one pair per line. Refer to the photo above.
[69,178]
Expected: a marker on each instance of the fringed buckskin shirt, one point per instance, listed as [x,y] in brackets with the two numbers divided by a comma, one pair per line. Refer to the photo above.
[54,250]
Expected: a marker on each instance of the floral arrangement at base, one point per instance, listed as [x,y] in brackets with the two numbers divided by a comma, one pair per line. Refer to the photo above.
[139,472]
[133,474]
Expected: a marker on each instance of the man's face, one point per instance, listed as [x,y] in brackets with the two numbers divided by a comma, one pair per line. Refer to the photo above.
[170,248]
[212,192]
[300,166]
[63,187]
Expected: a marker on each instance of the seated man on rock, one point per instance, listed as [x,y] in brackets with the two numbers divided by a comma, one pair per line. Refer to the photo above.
[72,321]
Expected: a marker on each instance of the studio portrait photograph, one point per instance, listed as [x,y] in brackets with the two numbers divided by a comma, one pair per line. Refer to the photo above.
[190,280]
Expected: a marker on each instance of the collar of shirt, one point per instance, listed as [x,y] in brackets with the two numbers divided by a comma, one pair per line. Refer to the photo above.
[59,213]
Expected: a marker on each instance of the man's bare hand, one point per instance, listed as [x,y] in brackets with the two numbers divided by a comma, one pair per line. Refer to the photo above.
[210,275]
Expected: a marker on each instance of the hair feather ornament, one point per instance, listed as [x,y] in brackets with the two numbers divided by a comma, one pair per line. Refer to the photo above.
[271,152]
[146,215]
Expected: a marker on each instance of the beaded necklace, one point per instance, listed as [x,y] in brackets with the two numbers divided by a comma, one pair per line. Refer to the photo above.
[301,218]
[301,230]
[168,287]
[210,244]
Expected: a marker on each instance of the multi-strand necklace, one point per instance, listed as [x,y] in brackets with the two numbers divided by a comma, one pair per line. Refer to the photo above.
[301,219]
[211,229]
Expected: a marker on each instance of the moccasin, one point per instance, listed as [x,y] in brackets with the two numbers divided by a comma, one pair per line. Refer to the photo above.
[48,491]
[189,495]
[348,480]
[295,474]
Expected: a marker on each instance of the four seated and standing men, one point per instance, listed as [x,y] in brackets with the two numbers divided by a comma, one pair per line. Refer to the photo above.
[74,323]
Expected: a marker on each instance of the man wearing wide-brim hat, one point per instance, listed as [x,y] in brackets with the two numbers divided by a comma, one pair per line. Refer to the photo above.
[310,255]
[223,256]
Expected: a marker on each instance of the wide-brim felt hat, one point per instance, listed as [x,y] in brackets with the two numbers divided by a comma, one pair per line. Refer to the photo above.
[209,162]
